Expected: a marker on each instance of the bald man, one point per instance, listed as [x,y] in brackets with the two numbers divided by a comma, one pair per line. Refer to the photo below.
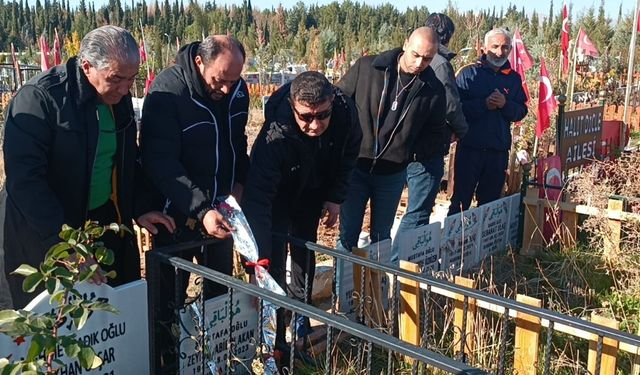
[194,150]
[400,103]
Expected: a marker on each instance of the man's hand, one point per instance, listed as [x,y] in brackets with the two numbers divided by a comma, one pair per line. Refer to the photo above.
[148,220]
[496,99]
[330,212]
[216,225]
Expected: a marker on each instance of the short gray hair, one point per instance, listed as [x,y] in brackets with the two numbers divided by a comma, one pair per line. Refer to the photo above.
[496,31]
[214,45]
[108,44]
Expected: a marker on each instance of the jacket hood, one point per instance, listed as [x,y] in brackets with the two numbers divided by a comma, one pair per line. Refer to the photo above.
[444,52]
[186,60]
[279,108]
[86,92]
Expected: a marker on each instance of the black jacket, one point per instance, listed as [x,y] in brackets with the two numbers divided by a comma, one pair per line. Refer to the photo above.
[193,149]
[51,135]
[423,119]
[285,163]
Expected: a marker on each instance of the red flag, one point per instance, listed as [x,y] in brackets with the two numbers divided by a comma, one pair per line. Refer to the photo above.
[143,53]
[57,54]
[565,39]
[585,45]
[519,54]
[546,101]
[639,21]
[147,83]
[44,54]
[16,68]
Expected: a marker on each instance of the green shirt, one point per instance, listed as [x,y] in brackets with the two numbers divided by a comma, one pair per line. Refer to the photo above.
[103,164]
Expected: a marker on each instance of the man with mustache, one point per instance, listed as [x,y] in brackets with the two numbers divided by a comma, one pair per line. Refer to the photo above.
[194,151]
[492,98]
[400,103]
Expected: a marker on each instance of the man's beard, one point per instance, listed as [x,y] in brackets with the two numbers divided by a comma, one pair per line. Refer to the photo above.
[496,62]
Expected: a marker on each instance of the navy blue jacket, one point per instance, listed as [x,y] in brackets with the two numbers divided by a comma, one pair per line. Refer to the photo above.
[490,129]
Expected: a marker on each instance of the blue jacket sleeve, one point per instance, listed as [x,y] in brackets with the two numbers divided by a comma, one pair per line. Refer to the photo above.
[515,108]
[472,106]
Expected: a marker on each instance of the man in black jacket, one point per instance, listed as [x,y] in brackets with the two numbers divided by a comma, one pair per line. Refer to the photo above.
[301,164]
[70,156]
[194,150]
[400,102]
[425,173]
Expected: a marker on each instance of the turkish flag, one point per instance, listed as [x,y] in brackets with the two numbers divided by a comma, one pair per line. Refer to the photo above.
[520,60]
[143,53]
[44,53]
[565,39]
[519,54]
[57,54]
[546,101]
[586,45]
[147,83]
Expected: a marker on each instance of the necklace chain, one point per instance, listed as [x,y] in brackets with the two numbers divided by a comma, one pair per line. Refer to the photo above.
[399,91]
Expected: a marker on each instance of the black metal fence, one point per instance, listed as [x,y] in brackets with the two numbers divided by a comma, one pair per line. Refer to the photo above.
[432,291]
[367,338]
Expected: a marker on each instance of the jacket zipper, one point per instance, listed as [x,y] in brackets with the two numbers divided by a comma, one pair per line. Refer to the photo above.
[233,150]
[383,95]
[93,165]
[393,132]
[215,123]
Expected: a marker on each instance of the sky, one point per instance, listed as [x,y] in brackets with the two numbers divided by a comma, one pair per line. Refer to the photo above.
[541,6]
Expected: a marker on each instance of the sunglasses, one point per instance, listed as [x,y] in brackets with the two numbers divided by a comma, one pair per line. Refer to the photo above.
[309,117]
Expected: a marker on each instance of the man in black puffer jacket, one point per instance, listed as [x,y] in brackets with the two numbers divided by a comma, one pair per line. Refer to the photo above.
[70,156]
[194,150]
[400,104]
[301,164]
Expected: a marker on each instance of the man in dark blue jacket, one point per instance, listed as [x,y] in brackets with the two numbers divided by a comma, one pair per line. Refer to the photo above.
[301,163]
[194,150]
[492,98]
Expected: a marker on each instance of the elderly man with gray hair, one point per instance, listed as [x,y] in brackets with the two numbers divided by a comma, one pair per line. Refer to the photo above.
[70,156]
[492,98]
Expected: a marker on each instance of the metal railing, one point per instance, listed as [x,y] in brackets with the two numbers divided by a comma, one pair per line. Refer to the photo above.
[162,257]
[508,308]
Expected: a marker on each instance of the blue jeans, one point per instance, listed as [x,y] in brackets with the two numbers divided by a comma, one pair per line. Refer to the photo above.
[384,192]
[423,181]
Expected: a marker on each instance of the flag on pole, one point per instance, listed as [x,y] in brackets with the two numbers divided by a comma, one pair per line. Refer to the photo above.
[565,39]
[520,60]
[585,45]
[546,101]
[16,68]
[143,53]
[147,83]
[519,54]
[44,53]
[57,53]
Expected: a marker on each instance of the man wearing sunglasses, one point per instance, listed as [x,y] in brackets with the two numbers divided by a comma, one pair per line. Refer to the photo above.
[301,163]
[70,156]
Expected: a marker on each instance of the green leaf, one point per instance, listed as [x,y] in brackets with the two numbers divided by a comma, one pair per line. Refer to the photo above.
[51,284]
[7,316]
[59,251]
[57,297]
[68,310]
[24,270]
[97,362]
[86,357]
[114,227]
[35,348]
[103,306]
[82,250]
[66,232]
[104,256]
[32,281]
[72,350]
[111,274]
[62,272]
[80,322]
